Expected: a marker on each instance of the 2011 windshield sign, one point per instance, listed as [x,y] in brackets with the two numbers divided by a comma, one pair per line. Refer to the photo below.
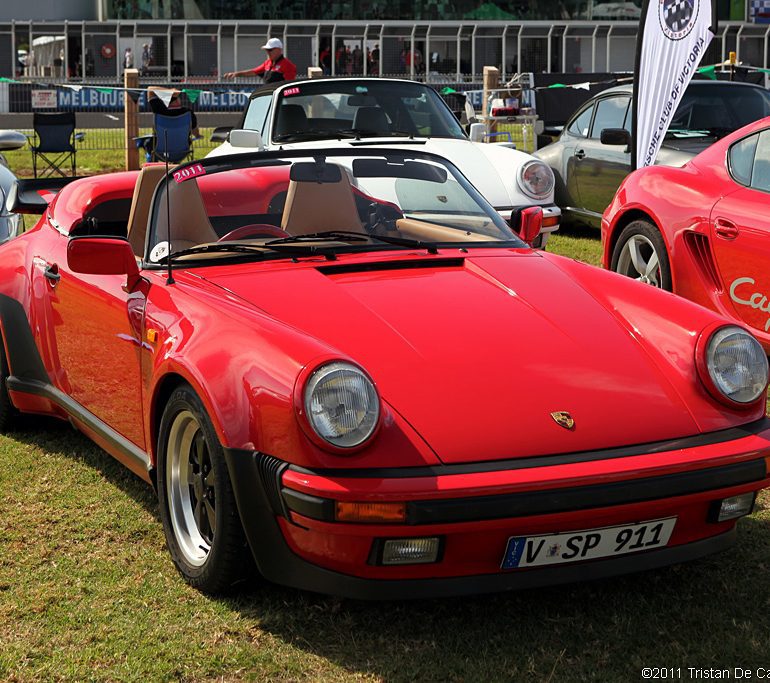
[190,172]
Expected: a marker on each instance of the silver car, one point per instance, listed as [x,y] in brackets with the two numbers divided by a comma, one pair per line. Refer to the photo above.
[9,221]
[593,153]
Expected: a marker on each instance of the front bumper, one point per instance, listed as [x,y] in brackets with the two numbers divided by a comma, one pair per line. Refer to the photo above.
[288,513]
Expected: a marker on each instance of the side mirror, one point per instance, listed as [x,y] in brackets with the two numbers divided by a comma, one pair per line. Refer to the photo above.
[103,256]
[530,223]
[615,136]
[11,139]
[248,139]
[477,132]
[220,134]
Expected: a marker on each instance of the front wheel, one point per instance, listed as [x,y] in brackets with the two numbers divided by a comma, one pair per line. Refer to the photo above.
[197,505]
[640,253]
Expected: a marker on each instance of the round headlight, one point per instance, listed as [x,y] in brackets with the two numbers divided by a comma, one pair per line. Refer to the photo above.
[737,364]
[536,179]
[341,404]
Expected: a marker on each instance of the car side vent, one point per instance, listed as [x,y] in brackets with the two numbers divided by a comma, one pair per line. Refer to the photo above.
[700,250]
[270,470]
[411,264]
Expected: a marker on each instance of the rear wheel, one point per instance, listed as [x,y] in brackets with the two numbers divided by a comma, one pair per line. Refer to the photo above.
[197,505]
[640,253]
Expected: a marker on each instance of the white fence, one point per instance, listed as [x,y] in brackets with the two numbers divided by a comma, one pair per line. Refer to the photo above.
[436,51]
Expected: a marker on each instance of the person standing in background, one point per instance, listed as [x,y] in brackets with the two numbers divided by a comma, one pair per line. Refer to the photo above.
[277,67]
[128,59]
[146,58]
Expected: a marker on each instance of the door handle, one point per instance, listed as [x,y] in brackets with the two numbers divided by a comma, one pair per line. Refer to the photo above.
[726,229]
[580,154]
[52,274]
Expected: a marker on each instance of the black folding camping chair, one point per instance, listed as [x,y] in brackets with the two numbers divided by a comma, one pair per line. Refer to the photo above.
[55,143]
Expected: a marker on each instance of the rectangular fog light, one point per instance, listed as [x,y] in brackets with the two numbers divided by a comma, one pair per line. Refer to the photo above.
[410,551]
[737,506]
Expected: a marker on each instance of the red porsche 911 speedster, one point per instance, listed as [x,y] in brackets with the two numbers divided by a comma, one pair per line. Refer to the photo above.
[702,230]
[344,368]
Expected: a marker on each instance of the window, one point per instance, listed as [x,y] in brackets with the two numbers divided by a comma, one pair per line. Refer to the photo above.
[720,108]
[610,113]
[319,109]
[740,159]
[257,113]
[760,174]
[580,124]
[628,122]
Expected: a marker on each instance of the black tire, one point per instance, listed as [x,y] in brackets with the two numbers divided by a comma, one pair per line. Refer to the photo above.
[9,416]
[199,513]
[639,243]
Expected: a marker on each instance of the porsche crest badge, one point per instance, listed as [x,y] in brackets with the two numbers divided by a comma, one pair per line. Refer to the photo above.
[563,419]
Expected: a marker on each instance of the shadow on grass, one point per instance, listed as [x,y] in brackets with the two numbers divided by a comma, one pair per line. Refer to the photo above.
[579,230]
[60,438]
[710,613]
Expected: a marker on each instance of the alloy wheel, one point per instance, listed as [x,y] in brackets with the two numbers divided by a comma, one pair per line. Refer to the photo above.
[191,488]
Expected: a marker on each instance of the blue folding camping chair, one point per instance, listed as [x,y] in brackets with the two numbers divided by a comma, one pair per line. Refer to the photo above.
[170,140]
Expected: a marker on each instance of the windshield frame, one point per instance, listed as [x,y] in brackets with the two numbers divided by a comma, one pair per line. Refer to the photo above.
[275,158]
[341,86]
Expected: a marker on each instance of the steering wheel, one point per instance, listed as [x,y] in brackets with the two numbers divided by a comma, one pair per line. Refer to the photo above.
[378,220]
[254,230]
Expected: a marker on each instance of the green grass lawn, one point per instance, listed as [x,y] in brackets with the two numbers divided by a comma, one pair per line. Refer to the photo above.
[88,592]
[102,150]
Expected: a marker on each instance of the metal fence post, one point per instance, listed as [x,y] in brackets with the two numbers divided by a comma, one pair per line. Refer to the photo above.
[131,113]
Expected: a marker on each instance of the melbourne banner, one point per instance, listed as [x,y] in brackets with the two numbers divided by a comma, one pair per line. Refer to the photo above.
[673,36]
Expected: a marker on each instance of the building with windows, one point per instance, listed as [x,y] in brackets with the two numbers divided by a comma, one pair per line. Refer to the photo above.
[440,41]
[375,10]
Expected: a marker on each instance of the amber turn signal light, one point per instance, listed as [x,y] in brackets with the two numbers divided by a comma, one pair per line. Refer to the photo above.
[370,512]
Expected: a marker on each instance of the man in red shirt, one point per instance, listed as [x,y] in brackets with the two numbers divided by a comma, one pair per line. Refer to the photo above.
[276,67]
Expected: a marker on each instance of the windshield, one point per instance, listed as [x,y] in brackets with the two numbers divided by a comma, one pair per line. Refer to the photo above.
[720,109]
[295,204]
[334,109]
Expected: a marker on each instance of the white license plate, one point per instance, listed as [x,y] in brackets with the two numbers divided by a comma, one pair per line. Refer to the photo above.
[589,544]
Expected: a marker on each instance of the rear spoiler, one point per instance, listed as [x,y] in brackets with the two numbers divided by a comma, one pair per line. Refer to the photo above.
[34,195]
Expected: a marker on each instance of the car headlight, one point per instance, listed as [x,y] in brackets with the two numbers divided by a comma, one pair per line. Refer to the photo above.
[536,179]
[736,365]
[341,404]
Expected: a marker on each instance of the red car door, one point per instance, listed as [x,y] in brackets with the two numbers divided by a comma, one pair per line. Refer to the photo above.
[740,231]
[93,351]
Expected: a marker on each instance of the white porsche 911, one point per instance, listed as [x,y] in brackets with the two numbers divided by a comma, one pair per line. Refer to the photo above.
[393,113]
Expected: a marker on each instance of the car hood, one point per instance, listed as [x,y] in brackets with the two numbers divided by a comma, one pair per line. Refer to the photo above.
[476,353]
[492,169]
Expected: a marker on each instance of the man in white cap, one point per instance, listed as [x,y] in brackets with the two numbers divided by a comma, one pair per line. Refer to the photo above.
[277,67]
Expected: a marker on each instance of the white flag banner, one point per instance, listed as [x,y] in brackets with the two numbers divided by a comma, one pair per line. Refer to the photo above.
[673,37]
[164,96]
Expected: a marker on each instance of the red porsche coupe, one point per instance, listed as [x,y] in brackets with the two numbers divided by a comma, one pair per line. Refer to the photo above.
[344,368]
[701,230]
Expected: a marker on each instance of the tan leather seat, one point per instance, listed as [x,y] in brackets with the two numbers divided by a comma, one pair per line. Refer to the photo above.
[189,218]
[317,207]
[138,217]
